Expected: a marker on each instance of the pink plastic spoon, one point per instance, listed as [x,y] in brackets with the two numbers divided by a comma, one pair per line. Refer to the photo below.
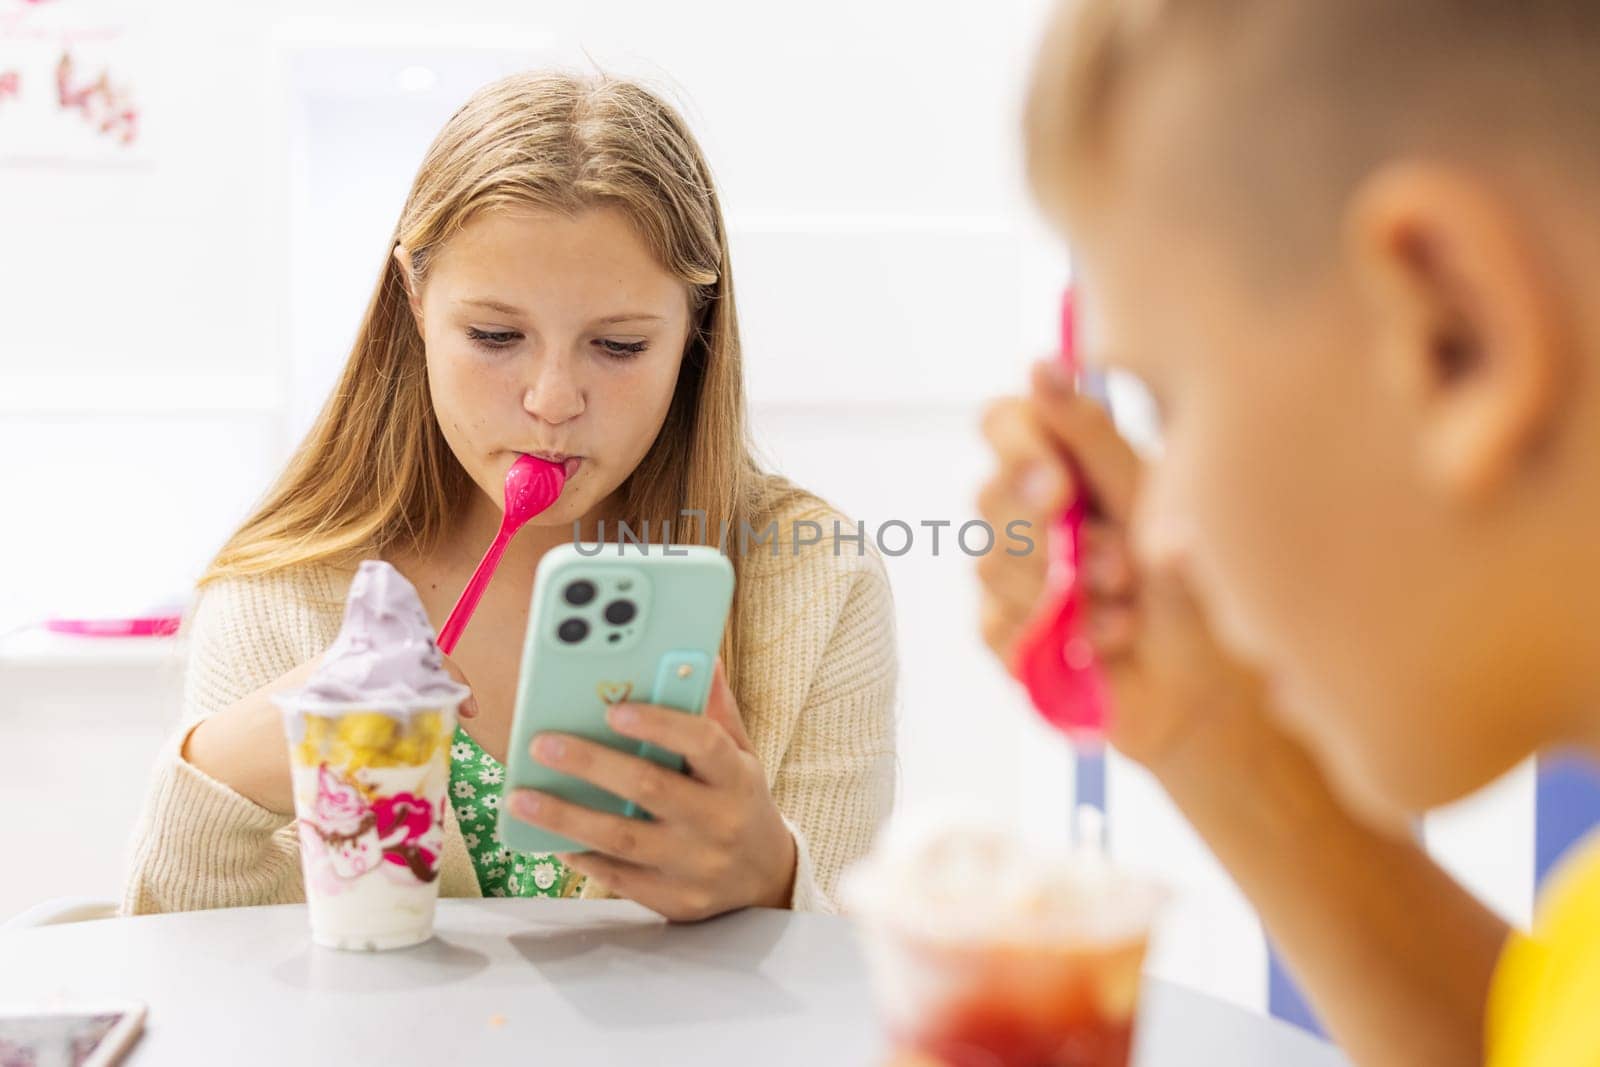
[1054,660]
[532,484]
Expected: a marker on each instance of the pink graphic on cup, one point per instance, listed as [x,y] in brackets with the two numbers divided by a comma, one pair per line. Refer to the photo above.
[345,836]
[345,826]
[340,807]
[318,867]
[404,822]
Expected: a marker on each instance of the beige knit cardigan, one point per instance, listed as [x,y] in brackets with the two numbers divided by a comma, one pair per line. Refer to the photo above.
[817,679]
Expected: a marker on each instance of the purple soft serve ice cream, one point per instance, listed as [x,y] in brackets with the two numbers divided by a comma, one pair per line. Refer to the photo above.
[385,654]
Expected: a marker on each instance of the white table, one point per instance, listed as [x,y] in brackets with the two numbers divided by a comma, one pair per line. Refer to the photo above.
[533,981]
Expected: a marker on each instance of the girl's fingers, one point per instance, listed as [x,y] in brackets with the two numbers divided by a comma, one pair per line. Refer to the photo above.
[632,840]
[668,896]
[711,752]
[722,708]
[665,794]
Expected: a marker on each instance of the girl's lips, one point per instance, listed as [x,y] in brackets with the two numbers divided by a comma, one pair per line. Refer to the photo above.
[569,464]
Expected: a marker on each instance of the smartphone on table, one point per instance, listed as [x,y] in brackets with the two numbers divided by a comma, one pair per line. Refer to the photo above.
[71,1035]
[611,624]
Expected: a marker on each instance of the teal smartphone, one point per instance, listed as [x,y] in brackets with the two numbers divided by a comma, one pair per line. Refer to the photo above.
[610,624]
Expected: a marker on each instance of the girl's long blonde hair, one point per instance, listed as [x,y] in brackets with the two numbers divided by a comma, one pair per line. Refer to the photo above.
[375,473]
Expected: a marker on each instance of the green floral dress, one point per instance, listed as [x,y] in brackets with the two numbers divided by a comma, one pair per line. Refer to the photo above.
[477,781]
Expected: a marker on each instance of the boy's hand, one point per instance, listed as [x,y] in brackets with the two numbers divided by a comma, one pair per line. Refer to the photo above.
[1399,973]
[1164,671]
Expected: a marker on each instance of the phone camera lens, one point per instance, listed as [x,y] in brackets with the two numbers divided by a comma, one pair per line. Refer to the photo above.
[620,612]
[572,631]
[580,593]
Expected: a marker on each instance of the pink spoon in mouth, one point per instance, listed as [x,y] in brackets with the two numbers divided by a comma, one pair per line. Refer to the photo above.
[532,484]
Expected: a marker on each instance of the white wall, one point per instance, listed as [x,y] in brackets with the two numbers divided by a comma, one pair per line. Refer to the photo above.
[167,332]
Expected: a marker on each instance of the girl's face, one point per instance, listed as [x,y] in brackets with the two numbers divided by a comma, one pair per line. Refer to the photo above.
[553,335]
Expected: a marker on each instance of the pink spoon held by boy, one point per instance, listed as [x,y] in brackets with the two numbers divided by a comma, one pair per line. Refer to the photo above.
[1348,246]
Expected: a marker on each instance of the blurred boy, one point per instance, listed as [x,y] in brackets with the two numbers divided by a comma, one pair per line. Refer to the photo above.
[1346,244]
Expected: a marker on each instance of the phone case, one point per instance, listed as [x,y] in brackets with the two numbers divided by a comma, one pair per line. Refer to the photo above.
[585,650]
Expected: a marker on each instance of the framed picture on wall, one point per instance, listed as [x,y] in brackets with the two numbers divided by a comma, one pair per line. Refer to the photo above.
[75,81]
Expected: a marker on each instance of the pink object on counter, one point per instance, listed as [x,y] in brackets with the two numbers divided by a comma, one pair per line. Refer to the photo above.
[148,626]
[532,485]
[1054,660]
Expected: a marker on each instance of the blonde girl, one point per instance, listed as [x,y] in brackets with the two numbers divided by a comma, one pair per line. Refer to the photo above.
[558,284]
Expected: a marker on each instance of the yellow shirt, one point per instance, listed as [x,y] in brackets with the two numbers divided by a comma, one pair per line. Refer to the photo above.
[1544,1005]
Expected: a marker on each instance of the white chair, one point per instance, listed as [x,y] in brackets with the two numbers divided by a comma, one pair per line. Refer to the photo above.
[59,910]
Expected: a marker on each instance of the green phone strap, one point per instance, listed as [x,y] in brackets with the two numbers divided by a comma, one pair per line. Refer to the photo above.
[683,682]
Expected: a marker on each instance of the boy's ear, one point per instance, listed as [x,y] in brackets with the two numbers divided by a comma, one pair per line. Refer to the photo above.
[1467,332]
[402,257]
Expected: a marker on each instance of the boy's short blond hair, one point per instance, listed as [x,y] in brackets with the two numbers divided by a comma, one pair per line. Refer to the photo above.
[1321,87]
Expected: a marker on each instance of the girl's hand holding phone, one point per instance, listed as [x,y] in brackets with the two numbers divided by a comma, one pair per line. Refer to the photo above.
[715,842]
